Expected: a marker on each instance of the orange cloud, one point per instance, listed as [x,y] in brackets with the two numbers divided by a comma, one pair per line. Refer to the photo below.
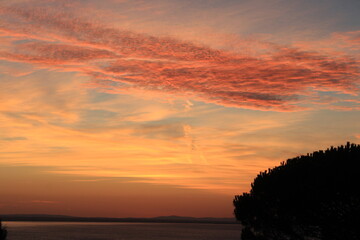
[122,60]
[130,150]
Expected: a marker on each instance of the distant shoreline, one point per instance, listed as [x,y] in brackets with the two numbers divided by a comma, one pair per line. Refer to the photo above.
[163,219]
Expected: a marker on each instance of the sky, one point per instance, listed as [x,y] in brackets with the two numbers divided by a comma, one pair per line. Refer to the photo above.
[134,108]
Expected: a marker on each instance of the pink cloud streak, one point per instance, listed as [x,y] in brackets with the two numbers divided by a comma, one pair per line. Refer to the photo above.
[121,60]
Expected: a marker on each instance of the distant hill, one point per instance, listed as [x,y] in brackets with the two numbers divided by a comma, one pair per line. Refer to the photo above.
[161,219]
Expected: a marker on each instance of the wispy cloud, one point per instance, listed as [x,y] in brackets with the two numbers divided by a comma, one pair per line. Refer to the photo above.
[123,61]
[143,101]
[13,138]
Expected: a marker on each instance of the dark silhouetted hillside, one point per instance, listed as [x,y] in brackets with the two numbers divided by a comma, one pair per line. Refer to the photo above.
[316,196]
[162,219]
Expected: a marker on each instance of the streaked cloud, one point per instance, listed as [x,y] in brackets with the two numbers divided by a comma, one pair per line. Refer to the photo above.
[144,102]
[13,139]
[123,61]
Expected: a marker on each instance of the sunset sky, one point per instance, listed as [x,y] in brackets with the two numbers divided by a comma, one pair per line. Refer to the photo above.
[144,108]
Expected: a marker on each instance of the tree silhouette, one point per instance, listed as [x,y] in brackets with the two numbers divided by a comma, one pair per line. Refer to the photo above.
[316,196]
[3,232]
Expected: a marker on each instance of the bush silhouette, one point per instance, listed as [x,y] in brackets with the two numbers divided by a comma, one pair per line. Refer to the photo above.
[316,196]
[3,232]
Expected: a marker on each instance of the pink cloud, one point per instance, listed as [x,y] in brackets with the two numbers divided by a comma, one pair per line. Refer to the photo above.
[122,60]
[350,39]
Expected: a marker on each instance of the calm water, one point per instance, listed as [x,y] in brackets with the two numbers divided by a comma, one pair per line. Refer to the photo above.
[121,231]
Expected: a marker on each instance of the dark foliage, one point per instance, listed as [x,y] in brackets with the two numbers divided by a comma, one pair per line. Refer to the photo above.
[3,232]
[316,196]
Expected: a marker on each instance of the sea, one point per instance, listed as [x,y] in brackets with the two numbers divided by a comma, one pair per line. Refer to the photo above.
[120,231]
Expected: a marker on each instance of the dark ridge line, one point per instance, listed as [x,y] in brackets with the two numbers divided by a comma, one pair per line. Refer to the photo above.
[64,218]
